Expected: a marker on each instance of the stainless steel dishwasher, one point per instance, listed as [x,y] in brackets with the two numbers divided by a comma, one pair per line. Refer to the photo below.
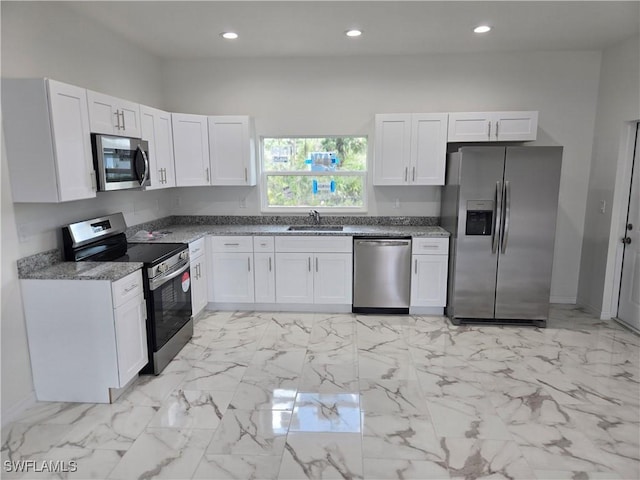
[381,275]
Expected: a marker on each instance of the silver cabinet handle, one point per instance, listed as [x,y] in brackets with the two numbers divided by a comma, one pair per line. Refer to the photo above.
[124,126]
[406,174]
[316,264]
[497,125]
[92,177]
[207,172]
[245,174]
[231,244]
[132,287]
[489,132]
[497,217]
[309,263]
[415,268]
[117,114]
[269,263]
[414,174]
[249,264]
[506,215]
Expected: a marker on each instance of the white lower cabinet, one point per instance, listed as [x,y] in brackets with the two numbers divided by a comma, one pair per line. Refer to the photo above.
[85,336]
[231,269]
[322,274]
[198,266]
[429,265]
[264,277]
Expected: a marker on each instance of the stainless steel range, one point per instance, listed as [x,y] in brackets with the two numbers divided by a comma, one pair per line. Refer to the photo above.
[166,274]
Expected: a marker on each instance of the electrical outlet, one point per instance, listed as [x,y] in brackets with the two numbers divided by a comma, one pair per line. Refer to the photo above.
[603,206]
[397,203]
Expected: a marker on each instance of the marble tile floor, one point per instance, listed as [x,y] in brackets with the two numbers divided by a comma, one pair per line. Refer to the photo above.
[299,395]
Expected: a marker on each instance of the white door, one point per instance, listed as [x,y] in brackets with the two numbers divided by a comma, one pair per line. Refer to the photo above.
[629,299]
[392,149]
[156,129]
[198,284]
[103,113]
[232,277]
[72,141]
[191,149]
[131,338]
[333,278]
[515,126]
[428,148]
[429,281]
[264,277]
[294,278]
[129,118]
[230,149]
[471,127]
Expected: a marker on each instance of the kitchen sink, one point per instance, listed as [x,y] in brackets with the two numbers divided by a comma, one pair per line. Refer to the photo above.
[315,228]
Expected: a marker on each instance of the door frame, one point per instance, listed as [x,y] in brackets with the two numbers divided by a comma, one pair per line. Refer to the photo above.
[619,210]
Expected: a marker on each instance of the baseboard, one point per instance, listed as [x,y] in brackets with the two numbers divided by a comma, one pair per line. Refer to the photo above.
[438,311]
[563,300]
[12,413]
[281,307]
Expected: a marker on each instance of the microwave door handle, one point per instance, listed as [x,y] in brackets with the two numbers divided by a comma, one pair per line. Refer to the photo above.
[145,176]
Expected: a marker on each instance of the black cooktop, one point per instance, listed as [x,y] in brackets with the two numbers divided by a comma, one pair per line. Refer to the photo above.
[151,253]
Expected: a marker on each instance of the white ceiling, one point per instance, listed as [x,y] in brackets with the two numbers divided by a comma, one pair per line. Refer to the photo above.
[188,29]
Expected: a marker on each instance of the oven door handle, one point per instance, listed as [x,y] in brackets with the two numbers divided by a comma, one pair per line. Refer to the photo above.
[158,282]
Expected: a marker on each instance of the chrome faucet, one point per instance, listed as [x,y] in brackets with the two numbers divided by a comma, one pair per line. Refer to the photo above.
[315,215]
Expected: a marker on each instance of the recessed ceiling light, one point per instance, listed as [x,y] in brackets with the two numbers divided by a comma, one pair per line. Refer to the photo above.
[229,35]
[353,33]
[482,29]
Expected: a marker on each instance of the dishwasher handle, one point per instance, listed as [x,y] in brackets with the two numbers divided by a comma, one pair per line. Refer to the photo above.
[384,243]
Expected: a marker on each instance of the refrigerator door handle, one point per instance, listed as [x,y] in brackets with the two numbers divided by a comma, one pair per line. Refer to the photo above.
[497,215]
[506,215]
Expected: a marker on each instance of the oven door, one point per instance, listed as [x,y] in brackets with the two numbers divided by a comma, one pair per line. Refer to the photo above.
[121,162]
[170,304]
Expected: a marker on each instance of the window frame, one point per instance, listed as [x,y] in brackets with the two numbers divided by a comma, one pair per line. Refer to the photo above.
[264,198]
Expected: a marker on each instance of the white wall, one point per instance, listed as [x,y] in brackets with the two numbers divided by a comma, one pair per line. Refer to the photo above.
[47,39]
[618,104]
[316,96]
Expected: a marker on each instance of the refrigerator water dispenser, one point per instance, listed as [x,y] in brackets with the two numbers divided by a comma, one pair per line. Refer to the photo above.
[479,217]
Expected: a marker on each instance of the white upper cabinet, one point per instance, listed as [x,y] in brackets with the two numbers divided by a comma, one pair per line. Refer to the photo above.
[232,150]
[493,126]
[113,116]
[48,141]
[410,149]
[156,129]
[191,149]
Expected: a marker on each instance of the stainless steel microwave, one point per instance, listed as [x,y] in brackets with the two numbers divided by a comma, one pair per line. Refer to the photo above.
[120,162]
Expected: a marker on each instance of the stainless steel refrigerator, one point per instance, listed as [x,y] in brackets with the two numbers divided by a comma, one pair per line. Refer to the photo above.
[500,206]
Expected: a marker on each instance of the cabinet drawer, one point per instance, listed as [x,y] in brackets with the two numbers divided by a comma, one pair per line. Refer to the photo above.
[235,243]
[127,288]
[263,244]
[311,243]
[196,248]
[430,246]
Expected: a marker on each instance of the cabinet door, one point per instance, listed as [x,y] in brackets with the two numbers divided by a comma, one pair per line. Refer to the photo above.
[471,127]
[294,278]
[392,149]
[265,279]
[72,141]
[232,277]
[198,284]
[191,149]
[333,278]
[103,113]
[428,148]
[131,338]
[516,126]
[429,281]
[232,150]
[156,129]
[129,118]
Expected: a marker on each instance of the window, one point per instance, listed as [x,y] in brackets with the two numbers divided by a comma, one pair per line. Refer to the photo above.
[324,173]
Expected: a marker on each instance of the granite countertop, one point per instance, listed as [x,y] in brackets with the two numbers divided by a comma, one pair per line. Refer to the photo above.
[111,271]
[190,233]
